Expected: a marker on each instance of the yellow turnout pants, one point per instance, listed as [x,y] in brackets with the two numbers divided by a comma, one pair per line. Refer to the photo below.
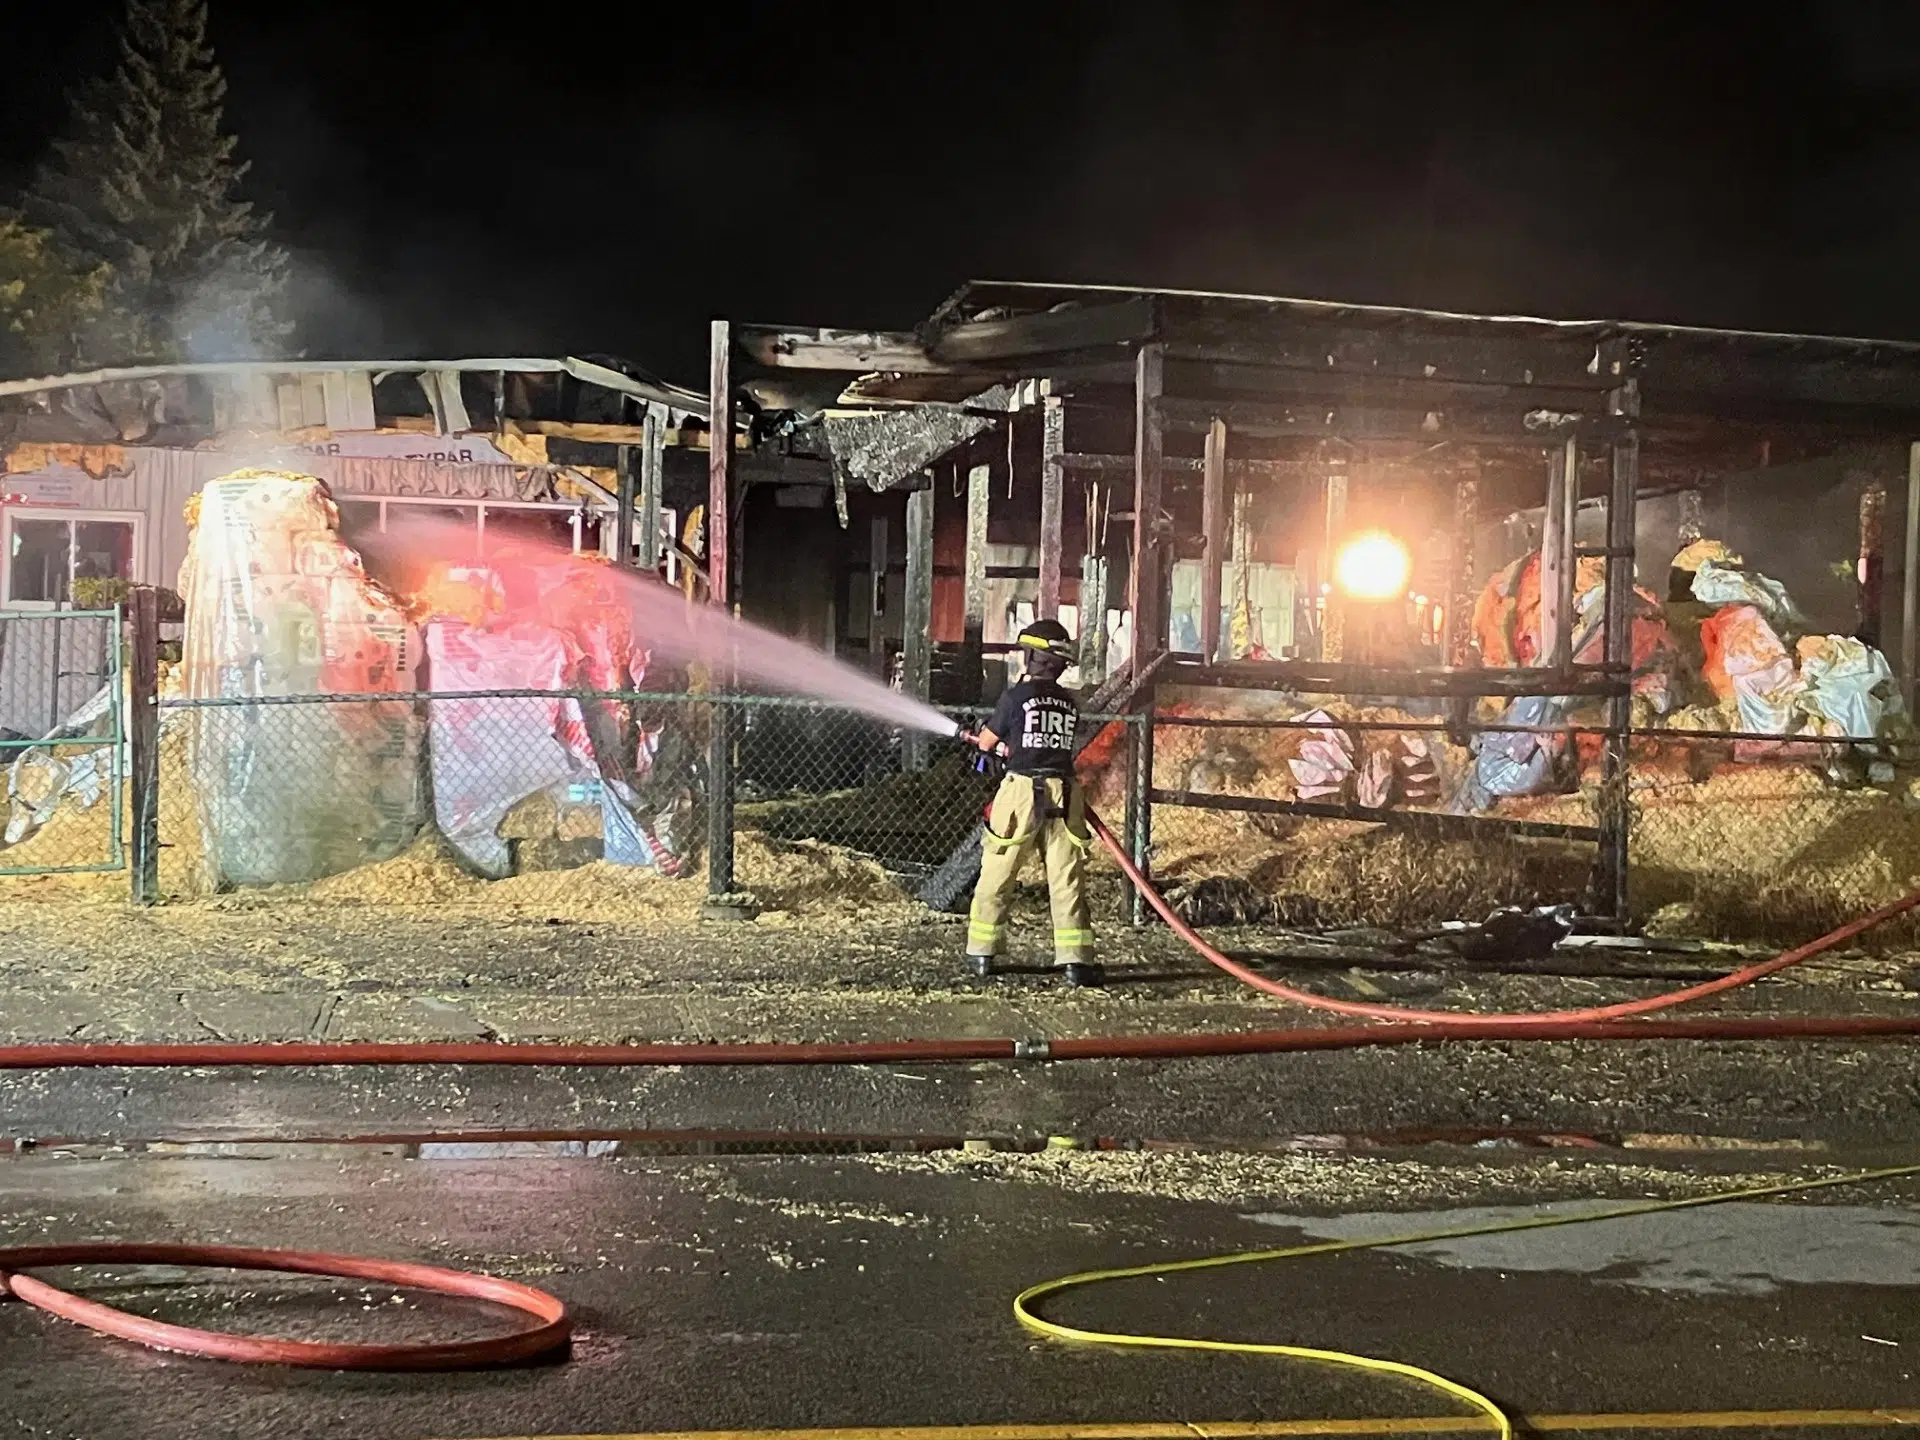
[1018,821]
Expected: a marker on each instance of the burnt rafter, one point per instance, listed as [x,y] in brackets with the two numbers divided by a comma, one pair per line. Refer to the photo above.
[853,352]
[1046,332]
[1390,353]
[1510,423]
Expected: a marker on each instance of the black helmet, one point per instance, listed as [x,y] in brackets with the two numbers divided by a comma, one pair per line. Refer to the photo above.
[1049,637]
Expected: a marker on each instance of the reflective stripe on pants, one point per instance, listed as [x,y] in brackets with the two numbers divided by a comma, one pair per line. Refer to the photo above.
[1014,829]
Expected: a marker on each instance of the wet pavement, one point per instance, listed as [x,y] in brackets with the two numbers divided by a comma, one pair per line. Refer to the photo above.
[1812,1092]
[762,1292]
[263,967]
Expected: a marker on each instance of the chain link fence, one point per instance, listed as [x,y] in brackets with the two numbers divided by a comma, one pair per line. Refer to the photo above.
[1749,836]
[62,739]
[421,798]
[1327,813]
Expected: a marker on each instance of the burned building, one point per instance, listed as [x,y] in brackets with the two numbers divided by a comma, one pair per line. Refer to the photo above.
[1246,493]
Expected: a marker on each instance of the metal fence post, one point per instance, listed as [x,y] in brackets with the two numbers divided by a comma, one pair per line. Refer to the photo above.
[720,799]
[1610,896]
[143,736]
[1140,808]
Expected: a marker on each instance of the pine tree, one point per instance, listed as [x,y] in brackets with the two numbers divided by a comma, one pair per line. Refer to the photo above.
[146,183]
[44,305]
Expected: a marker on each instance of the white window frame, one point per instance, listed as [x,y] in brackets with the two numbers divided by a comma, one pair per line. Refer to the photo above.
[74,517]
[480,508]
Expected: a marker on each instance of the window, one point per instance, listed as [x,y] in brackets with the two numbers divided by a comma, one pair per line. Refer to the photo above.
[46,553]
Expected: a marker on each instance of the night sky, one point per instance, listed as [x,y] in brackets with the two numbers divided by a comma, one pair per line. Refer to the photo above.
[548,179]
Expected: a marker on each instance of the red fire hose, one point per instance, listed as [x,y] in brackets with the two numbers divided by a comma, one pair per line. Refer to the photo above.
[549,1335]
[70,1055]
[1483,1023]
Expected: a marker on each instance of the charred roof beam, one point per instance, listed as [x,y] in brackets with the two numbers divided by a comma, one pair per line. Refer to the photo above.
[1045,332]
[852,352]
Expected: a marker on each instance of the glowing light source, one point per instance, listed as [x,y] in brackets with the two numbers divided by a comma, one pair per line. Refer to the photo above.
[1373,566]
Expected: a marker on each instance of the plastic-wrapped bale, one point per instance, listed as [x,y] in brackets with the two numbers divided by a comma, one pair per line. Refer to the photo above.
[1747,664]
[492,754]
[1727,583]
[1324,767]
[1515,762]
[1849,688]
[277,606]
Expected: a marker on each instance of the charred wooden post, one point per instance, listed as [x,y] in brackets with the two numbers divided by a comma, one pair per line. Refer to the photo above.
[1147,582]
[653,456]
[719,464]
[1871,571]
[143,742]
[879,547]
[722,902]
[917,617]
[1333,630]
[1461,591]
[974,592]
[1610,877]
[1910,579]
[1692,523]
[1053,505]
[627,466]
[1093,620]
[1213,527]
[1557,559]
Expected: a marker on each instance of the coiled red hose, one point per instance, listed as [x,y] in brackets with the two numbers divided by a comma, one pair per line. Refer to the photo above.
[550,1334]
[1460,1022]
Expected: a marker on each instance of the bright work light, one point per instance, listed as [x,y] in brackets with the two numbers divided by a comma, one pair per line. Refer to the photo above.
[1373,566]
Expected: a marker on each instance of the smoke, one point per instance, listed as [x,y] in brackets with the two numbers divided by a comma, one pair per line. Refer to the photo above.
[304,307]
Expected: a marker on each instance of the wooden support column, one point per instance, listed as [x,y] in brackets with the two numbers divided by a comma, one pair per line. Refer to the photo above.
[143,742]
[627,465]
[720,594]
[1461,591]
[1213,527]
[1053,505]
[1910,579]
[917,619]
[1871,572]
[1093,620]
[1557,559]
[1692,520]
[879,547]
[1333,614]
[1610,896]
[719,465]
[1146,585]
[653,456]
[974,595]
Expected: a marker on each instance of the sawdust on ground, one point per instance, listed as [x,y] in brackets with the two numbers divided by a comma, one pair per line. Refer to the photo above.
[1333,1182]
[792,880]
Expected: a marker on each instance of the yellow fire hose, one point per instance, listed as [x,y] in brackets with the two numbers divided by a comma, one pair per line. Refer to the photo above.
[1023,1305]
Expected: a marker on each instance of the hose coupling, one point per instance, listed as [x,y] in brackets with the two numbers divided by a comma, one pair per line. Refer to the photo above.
[1033,1049]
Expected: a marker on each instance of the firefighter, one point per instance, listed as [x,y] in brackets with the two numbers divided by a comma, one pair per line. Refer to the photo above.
[1039,804]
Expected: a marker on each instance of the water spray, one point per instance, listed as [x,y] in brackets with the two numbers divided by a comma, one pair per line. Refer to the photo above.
[673,629]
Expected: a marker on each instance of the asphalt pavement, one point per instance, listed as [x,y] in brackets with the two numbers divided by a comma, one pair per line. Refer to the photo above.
[724,1293]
